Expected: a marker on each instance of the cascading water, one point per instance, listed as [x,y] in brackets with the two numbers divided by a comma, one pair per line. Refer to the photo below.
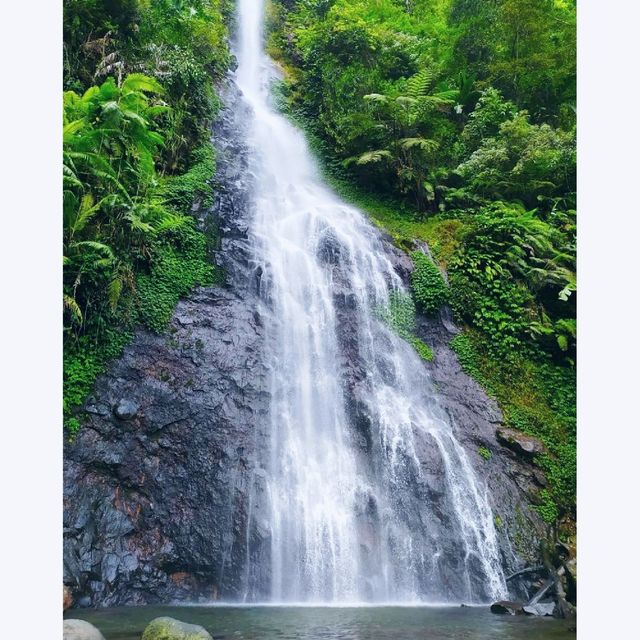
[389,511]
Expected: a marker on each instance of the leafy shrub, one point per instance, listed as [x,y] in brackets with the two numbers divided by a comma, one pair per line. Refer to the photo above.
[507,260]
[428,286]
[484,453]
[485,120]
[522,162]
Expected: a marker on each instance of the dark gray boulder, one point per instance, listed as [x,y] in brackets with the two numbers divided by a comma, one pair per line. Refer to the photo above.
[506,607]
[126,409]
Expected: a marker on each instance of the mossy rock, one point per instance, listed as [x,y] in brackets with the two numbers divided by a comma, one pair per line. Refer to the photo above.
[166,628]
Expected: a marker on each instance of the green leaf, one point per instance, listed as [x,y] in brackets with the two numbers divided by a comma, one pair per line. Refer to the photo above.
[140,82]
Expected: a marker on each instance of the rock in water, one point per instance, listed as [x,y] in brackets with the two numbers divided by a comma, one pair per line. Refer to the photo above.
[166,628]
[539,609]
[505,607]
[81,630]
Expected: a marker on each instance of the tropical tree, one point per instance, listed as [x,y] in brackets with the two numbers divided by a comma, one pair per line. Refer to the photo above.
[405,121]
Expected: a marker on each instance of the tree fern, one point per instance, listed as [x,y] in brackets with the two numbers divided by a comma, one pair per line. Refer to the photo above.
[370,157]
[423,144]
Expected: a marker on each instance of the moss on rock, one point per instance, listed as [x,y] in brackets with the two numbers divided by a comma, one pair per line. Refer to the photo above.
[165,628]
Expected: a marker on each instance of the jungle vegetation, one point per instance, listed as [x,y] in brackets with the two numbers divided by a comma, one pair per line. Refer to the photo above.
[137,166]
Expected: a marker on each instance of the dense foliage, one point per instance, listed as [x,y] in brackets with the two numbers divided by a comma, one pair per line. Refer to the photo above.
[400,315]
[453,122]
[428,286]
[138,106]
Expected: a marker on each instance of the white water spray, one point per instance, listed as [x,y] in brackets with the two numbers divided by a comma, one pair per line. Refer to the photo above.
[347,523]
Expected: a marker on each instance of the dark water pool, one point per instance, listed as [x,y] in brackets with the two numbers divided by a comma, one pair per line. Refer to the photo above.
[329,623]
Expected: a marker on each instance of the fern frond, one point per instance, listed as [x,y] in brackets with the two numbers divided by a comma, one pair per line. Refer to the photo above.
[424,144]
[376,97]
[114,290]
[140,82]
[96,246]
[132,115]
[370,157]
[419,83]
[435,102]
[72,307]
[171,221]
[450,95]
[71,128]
[406,101]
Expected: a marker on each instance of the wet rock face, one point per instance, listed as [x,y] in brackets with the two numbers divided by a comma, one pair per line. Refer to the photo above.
[156,505]
[510,477]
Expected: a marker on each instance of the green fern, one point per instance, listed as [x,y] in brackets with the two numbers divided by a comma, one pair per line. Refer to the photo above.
[371,157]
[72,307]
[139,82]
[423,144]
[418,85]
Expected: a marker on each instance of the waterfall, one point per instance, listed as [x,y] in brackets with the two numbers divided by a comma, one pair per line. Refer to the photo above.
[385,510]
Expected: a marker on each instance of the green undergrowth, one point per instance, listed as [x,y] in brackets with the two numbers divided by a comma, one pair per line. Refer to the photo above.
[538,398]
[400,316]
[427,284]
[193,187]
[84,360]
[484,453]
[180,266]
[179,263]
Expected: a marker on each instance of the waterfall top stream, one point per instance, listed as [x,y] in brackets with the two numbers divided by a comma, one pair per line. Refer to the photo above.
[385,510]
